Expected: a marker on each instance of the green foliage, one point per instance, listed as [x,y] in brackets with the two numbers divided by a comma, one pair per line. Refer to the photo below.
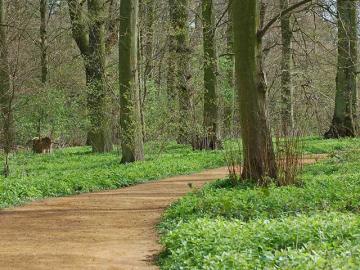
[321,241]
[77,170]
[247,227]
[58,114]
[316,145]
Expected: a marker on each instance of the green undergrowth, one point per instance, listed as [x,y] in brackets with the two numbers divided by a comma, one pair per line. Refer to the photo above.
[77,170]
[314,225]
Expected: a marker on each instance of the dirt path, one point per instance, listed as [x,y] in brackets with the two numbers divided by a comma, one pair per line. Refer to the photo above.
[107,230]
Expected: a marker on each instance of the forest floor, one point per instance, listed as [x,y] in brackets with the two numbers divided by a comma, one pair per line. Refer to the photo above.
[106,230]
[113,229]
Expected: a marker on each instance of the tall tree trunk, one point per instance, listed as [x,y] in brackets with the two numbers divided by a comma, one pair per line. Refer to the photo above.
[100,135]
[130,120]
[43,40]
[6,94]
[231,115]
[171,59]
[287,107]
[148,35]
[259,157]
[182,55]
[90,38]
[211,123]
[344,119]
[145,63]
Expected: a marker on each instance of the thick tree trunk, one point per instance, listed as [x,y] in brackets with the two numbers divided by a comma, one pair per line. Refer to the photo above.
[130,120]
[181,53]
[344,119]
[6,94]
[100,135]
[43,40]
[211,122]
[90,38]
[287,107]
[259,157]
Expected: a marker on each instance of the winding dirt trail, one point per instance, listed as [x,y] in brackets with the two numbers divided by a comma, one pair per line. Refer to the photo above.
[106,230]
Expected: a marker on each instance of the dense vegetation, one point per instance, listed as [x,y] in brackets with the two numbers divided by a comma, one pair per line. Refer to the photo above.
[173,86]
[76,170]
[314,225]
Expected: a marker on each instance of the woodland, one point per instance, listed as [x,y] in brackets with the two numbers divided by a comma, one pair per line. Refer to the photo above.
[100,95]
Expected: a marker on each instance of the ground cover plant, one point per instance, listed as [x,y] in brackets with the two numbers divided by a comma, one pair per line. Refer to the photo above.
[77,170]
[311,225]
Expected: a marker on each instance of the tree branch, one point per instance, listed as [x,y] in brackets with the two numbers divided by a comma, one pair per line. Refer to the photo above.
[263,31]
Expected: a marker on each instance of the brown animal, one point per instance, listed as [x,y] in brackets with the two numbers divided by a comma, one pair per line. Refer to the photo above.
[42,145]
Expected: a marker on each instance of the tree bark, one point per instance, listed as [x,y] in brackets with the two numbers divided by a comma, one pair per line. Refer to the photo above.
[287,107]
[6,94]
[259,157]
[43,40]
[171,59]
[211,122]
[181,53]
[344,119]
[232,113]
[130,119]
[90,39]
[148,35]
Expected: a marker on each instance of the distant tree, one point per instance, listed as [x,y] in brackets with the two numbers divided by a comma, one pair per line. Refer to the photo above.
[6,93]
[181,57]
[89,33]
[43,40]
[211,119]
[171,59]
[287,107]
[344,119]
[130,119]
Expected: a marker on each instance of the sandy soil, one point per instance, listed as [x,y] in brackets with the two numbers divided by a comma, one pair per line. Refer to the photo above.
[106,230]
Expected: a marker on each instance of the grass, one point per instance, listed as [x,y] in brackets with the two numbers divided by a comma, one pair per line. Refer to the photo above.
[77,170]
[315,225]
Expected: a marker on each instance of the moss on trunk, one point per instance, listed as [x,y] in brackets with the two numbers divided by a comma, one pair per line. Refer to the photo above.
[130,119]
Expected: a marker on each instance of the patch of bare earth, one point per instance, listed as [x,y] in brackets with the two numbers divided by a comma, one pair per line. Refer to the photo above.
[105,230]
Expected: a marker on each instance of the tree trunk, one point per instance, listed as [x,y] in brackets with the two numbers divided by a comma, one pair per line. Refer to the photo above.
[43,40]
[211,124]
[259,157]
[232,115]
[100,135]
[6,95]
[344,119]
[145,54]
[148,35]
[287,107]
[90,38]
[171,59]
[181,53]
[130,120]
